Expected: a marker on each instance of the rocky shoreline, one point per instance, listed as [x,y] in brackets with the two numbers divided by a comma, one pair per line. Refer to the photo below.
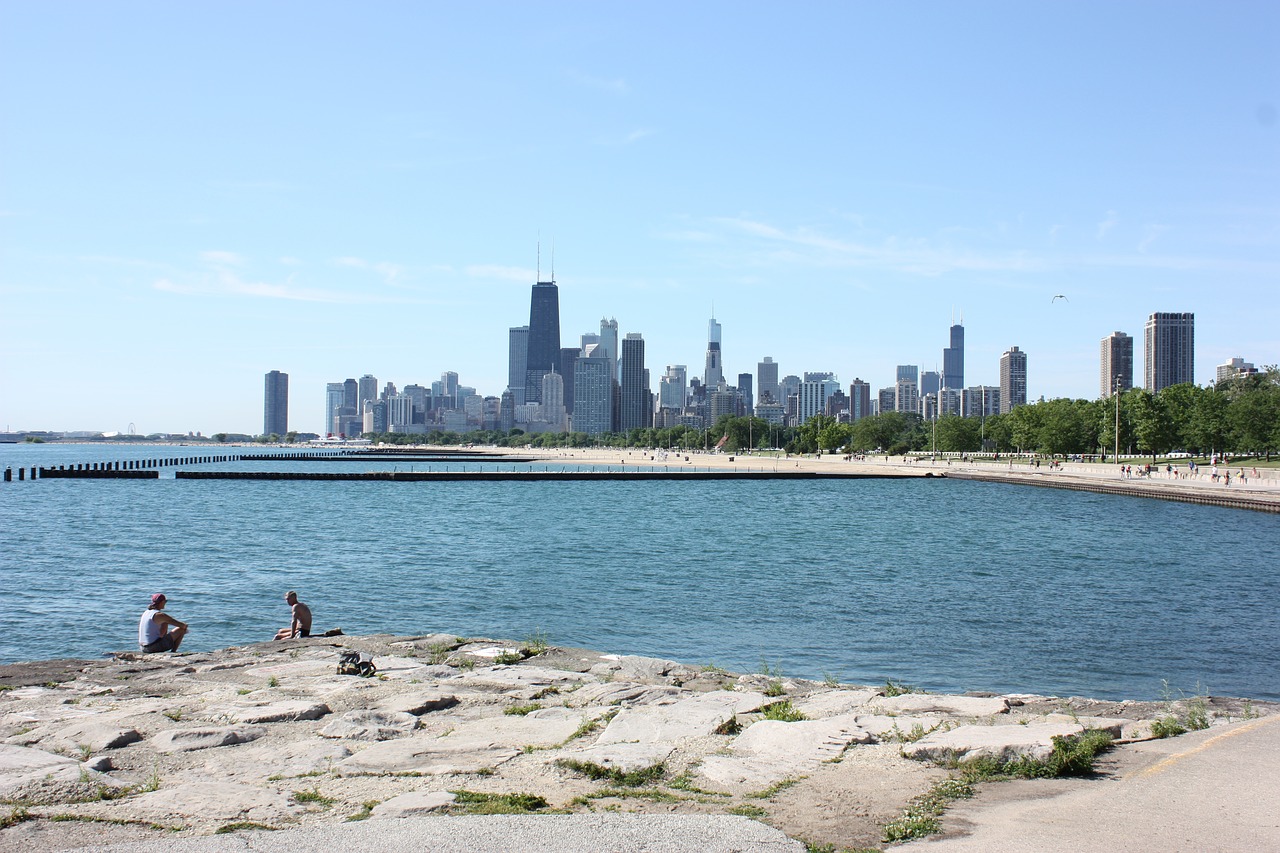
[271,736]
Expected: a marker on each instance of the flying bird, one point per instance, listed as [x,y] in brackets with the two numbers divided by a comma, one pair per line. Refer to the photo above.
[1056,298]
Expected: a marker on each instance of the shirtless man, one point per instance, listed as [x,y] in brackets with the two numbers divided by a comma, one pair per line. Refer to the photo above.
[153,628]
[301,624]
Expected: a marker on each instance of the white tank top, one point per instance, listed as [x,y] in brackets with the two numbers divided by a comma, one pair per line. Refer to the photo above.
[148,630]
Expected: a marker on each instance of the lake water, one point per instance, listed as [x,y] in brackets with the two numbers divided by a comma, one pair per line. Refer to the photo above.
[946,585]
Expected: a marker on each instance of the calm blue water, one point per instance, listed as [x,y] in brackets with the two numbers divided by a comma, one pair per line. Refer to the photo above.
[947,585]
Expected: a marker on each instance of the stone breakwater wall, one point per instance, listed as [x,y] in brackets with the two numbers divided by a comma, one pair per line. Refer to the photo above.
[1158,489]
[272,735]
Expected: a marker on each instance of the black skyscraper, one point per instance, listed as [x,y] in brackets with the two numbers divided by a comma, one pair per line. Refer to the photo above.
[953,360]
[544,338]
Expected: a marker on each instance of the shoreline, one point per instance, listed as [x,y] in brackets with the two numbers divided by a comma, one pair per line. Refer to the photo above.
[184,745]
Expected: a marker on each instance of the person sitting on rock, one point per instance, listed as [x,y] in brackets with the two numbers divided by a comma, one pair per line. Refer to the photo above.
[153,628]
[301,624]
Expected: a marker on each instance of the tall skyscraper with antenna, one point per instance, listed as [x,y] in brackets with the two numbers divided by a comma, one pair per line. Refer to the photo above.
[544,334]
[714,374]
[953,359]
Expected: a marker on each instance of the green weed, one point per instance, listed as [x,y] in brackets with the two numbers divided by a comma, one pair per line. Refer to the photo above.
[16,816]
[508,658]
[897,688]
[1167,726]
[242,825]
[273,682]
[633,779]
[476,802]
[920,818]
[776,788]
[748,810]
[783,712]
[366,809]
[521,710]
[313,796]
[536,643]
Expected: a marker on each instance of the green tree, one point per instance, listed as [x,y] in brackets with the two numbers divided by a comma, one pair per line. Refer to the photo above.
[958,435]
[1155,431]
[1024,427]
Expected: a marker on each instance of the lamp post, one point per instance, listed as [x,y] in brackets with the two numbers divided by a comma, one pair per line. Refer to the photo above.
[1117,394]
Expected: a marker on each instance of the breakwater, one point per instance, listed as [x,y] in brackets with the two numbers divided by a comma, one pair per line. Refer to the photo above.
[563,475]
[1159,490]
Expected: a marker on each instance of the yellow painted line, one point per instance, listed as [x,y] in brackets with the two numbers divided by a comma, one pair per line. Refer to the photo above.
[1164,765]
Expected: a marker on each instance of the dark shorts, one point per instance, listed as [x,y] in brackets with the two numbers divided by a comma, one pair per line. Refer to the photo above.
[306,633]
[164,644]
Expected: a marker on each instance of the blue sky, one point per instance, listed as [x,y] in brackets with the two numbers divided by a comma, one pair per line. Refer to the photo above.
[192,194]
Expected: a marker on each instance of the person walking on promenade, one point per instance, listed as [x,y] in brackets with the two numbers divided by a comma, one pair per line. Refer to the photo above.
[154,634]
[300,626]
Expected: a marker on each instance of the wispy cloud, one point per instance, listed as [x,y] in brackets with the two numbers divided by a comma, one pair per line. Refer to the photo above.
[222,258]
[226,283]
[390,272]
[1149,235]
[1108,222]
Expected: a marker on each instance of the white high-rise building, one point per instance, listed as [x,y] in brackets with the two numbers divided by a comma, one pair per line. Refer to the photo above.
[1170,353]
[673,387]
[813,397]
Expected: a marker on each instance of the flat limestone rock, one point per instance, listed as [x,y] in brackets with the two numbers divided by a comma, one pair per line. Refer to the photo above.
[280,712]
[21,765]
[625,757]
[891,728]
[413,803]
[96,735]
[397,665]
[834,702]
[624,693]
[637,668]
[544,727]
[1034,740]
[427,756]
[296,758]
[696,716]
[419,703]
[503,678]
[1113,726]
[928,703]
[293,668]
[770,751]
[212,801]
[371,725]
[187,740]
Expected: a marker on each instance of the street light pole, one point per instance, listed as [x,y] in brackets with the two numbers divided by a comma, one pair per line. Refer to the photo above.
[1117,390]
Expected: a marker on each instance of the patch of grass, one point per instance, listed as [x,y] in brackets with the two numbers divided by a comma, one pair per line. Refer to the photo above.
[776,788]
[273,682]
[897,688]
[242,825]
[1072,755]
[313,796]
[16,816]
[114,821]
[1247,711]
[85,751]
[536,643]
[774,688]
[684,782]
[712,669]
[830,679]
[1167,727]
[1197,713]
[655,795]
[748,810]
[920,818]
[547,691]
[175,714]
[917,731]
[243,691]
[366,809]
[477,802]
[508,657]
[783,712]
[521,710]
[633,779]
[588,726]
[486,771]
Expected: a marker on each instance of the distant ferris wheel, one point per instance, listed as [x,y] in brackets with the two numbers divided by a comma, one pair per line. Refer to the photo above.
[132,429]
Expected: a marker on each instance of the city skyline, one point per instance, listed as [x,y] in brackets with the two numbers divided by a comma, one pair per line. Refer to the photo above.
[172,220]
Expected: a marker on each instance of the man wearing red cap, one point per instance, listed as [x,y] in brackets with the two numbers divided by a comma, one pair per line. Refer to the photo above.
[153,628]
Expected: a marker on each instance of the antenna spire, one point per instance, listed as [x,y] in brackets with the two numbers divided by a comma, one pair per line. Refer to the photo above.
[538,275]
[553,261]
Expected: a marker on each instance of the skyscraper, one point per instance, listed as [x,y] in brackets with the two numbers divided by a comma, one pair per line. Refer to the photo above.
[767,381]
[814,394]
[1169,356]
[276,404]
[1116,371]
[745,395]
[593,395]
[517,361]
[673,388]
[910,373]
[544,337]
[953,360]
[607,340]
[351,394]
[368,390]
[636,405]
[333,397]
[568,355]
[1235,368]
[859,400]
[1013,379]
[714,374]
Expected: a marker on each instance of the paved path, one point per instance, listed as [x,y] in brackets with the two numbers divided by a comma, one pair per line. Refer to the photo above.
[1217,789]
[583,833]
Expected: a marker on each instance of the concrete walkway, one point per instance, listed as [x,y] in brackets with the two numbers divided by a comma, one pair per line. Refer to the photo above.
[1217,789]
